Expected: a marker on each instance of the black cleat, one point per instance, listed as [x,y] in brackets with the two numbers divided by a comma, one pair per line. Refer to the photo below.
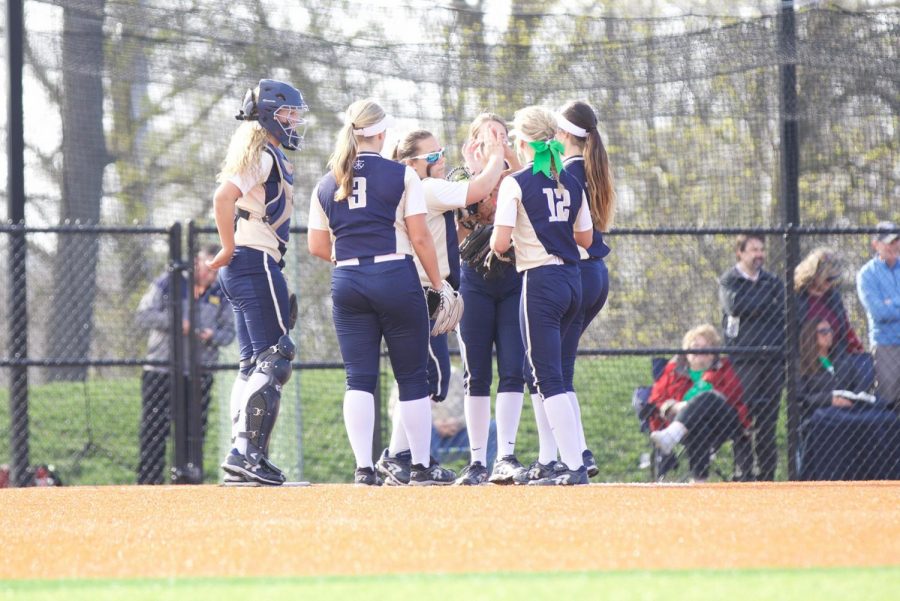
[590,463]
[433,475]
[394,470]
[262,471]
[536,471]
[505,470]
[563,476]
[366,476]
[472,475]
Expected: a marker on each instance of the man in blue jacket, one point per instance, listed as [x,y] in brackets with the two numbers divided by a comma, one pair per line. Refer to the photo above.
[878,286]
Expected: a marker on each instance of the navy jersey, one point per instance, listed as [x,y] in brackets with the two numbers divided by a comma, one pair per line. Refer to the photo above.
[369,222]
[598,248]
[542,216]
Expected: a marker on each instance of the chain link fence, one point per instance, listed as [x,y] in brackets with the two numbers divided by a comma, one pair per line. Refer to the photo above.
[130,106]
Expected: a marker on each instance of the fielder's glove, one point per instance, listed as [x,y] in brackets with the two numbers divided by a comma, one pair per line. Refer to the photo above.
[477,246]
[445,307]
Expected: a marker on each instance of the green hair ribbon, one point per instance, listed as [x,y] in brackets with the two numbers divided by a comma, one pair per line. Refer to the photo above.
[544,153]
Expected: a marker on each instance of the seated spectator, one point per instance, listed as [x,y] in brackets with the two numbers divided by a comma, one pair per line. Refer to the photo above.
[817,282]
[823,370]
[698,401]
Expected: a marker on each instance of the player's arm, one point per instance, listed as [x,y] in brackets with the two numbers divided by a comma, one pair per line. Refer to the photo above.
[318,237]
[584,227]
[508,197]
[224,199]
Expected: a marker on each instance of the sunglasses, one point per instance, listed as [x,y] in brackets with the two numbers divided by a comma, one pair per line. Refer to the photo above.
[824,331]
[432,157]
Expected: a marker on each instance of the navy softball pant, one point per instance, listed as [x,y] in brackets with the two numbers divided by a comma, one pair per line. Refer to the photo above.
[594,291]
[255,286]
[376,300]
[491,319]
[551,298]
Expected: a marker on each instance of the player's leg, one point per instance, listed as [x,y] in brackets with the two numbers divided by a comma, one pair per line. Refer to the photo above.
[550,300]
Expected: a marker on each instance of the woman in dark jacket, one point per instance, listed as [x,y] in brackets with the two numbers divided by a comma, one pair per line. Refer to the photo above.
[824,369]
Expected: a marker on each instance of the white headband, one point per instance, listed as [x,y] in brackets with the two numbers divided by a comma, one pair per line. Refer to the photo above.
[376,129]
[570,127]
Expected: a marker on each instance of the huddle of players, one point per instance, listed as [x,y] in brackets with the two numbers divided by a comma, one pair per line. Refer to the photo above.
[390,228]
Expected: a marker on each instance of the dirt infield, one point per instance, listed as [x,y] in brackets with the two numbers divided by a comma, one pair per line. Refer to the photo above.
[179,531]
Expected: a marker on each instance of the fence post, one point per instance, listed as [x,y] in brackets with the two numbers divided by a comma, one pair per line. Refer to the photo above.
[790,197]
[18,315]
[176,363]
[193,468]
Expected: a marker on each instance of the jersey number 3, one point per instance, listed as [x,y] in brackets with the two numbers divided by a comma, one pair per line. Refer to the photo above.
[357,198]
[558,202]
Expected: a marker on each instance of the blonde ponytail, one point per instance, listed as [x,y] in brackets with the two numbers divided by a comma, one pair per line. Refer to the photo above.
[360,114]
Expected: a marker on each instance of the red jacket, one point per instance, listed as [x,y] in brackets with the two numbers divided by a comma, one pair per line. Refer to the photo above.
[675,381]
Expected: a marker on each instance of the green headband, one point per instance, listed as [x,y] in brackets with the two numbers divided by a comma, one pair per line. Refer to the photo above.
[544,153]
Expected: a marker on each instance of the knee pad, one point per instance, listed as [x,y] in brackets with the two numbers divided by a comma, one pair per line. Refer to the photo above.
[246,367]
[273,368]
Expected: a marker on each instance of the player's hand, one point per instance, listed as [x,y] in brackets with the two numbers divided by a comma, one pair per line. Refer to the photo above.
[493,144]
[222,258]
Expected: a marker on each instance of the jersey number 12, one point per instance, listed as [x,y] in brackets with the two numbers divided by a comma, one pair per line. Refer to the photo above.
[558,201]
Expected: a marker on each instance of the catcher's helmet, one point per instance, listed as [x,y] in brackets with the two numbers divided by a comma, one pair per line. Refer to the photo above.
[279,108]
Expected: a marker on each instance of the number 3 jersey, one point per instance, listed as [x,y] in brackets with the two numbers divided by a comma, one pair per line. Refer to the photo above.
[543,217]
[370,222]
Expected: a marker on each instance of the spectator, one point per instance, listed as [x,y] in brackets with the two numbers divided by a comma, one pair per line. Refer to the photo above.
[817,283]
[214,328]
[823,369]
[878,286]
[4,476]
[698,402]
[752,301]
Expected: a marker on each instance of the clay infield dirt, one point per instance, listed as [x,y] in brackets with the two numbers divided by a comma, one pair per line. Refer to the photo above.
[181,531]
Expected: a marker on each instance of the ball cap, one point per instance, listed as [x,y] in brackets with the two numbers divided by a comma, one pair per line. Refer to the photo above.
[888,236]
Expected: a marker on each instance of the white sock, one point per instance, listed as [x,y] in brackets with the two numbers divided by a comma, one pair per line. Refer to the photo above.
[509,412]
[546,443]
[235,405]
[359,419]
[676,430]
[255,382]
[478,425]
[416,418]
[398,443]
[576,409]
[562,420]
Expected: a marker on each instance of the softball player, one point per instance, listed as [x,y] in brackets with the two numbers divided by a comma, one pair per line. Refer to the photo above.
[587,161]
[541,206]
[374,211]
[491,321]
[421,151]
[253,206]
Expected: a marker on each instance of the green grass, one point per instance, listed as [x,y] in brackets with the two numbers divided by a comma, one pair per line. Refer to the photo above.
[89,431]
[870,584]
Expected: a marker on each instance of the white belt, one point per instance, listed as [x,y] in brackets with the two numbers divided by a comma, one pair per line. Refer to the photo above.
[375,259]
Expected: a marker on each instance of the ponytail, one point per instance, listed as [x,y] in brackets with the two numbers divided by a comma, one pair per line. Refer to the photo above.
[600,190]
[601,193]
[341,161]
[360,115]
